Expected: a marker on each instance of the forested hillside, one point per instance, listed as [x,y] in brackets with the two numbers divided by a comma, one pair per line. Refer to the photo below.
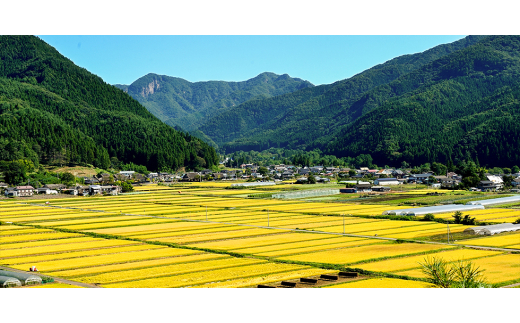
[53,111]
[184,104]
[465,107]
[295,120]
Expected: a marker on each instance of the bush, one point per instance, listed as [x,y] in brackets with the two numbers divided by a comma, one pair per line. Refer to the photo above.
[517,221]
[460,274]
[466,219]
[429,217]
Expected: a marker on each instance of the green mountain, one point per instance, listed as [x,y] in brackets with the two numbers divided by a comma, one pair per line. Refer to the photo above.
[186,105]
[295,120]
[462,106]
[54,111]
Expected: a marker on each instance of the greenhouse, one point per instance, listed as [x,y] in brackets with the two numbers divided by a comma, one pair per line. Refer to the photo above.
[25,279]
[306,193]
[253,184]
[501,200]
[6,281]
[434,209]
[489,230]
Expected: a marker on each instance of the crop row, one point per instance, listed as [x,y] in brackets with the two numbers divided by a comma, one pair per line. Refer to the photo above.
[190,279]
[364,253]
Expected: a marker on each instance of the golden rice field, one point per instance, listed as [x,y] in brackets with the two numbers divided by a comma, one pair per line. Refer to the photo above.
[324,248]
[6,233]
[72,273]
[398,264]
[167,270]
[266,278]
[201,237]
[237,225]
[497,270]
[191,279]
[383,283]
[260,241]
[494,241]
[17,245]
[76,254]
[364,253]
[55,285]
[99,243]
[36,237]
[63,264]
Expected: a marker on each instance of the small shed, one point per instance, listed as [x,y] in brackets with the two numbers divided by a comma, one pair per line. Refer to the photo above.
[6,281]
[348,190]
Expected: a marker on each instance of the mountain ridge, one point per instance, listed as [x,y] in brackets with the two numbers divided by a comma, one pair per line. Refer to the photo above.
[292,120]
[103,121]
[184,104]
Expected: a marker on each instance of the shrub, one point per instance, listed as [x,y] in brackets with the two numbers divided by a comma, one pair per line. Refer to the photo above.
[459,274]
[466,219]
[429,217]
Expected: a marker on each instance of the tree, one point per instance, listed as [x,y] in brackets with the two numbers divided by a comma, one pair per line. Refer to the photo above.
[127,187]
[14,172]
[67,177]
[515,169]
[466,219]
[263,170]
[508,181]
[311,179]
[351,173]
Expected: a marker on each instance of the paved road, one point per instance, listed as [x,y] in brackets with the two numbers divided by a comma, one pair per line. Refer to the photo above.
[56,279]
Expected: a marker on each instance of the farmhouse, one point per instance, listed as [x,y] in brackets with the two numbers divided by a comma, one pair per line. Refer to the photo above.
[364,187]
[45,190]
[487,186]
[25,190]
[190,177]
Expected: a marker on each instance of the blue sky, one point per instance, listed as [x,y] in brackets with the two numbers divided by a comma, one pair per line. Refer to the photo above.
[318,59]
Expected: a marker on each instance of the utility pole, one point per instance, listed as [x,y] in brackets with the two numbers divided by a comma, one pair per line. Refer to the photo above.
[448,232]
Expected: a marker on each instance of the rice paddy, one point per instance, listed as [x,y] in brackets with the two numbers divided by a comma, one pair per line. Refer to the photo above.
[214,237]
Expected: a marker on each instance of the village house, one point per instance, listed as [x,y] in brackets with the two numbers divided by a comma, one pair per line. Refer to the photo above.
[90,180]
[45,190]
[363,187]
[191,177]
[449,183]
[497,180]
[56,187]
[516,182]
[487,186]
[26,190]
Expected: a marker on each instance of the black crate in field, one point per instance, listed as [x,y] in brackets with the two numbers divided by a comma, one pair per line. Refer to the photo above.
[308,280]
[329,277]
[288,284]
